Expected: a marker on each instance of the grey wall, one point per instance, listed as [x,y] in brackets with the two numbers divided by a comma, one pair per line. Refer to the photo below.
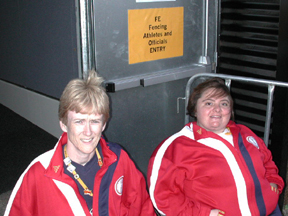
[38,44]
[142,117]
[38,50]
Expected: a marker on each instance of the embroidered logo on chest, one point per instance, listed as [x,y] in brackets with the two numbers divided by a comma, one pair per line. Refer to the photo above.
[119,186]
[199,131]
[56,168]
[252,140]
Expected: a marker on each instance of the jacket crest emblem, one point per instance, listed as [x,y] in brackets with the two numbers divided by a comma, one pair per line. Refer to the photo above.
[119,186]
[252,140]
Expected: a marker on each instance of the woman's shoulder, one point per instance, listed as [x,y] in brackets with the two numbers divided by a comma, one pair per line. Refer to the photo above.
[242,127]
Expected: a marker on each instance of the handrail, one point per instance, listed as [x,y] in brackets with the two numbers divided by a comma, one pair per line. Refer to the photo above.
[228,78]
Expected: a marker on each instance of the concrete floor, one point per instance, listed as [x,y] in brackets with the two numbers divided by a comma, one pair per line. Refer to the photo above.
[4,197]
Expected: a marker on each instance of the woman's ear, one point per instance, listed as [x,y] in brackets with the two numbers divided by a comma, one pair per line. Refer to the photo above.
[63,126]
[103,127]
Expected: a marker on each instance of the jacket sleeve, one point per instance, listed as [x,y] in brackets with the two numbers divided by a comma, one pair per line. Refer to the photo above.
[135,195]
[271,169]
[22,199]
[167,190]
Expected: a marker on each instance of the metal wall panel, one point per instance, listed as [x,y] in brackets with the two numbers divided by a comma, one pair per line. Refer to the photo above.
[111,37]
[142,116]
[253,42]
[248,47]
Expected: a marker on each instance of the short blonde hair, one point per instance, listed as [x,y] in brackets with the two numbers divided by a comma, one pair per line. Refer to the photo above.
[86,96]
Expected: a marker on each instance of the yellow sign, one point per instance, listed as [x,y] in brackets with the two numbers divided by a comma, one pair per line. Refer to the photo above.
[155,34]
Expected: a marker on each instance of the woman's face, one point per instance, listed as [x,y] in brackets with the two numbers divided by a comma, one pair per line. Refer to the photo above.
[213,113]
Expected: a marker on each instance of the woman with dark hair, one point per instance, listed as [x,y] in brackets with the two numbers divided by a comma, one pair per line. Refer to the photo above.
[213,166]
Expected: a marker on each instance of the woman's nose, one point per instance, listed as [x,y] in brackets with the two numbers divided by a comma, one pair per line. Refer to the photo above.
[87,129]
[217,107]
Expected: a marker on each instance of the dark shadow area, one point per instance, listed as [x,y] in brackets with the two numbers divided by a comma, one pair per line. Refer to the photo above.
[20,142]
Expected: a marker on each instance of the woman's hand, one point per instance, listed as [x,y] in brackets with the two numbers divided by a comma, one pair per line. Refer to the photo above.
[214,212]
[274,187]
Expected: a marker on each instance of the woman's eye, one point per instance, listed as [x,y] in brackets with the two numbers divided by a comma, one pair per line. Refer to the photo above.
[225,104]
[208,103]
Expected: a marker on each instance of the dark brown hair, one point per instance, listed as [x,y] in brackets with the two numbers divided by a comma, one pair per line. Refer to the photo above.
[220,89]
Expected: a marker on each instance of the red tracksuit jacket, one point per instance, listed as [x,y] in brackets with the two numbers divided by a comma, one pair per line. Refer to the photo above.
[45,190]
[195,171]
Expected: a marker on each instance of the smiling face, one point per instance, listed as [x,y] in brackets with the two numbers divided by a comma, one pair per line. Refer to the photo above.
[213,113]
[84,132]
